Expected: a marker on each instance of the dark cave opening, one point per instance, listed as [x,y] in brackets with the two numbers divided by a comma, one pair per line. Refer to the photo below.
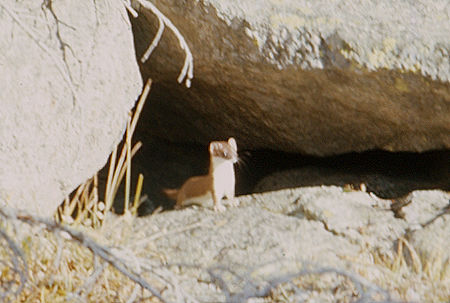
[388,175]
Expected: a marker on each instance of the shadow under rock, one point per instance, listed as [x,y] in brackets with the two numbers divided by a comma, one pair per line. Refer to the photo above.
[387,175]
[166,164]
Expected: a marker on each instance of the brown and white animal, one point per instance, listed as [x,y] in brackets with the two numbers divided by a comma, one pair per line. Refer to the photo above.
[218,183]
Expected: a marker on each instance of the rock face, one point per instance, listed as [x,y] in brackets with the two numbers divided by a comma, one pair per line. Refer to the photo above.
[318,77]
[287,233]
[68,79]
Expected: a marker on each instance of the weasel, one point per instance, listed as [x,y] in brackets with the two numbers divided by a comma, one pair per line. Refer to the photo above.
[218,183]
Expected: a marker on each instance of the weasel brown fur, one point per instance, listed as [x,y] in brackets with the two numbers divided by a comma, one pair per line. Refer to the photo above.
[218,183]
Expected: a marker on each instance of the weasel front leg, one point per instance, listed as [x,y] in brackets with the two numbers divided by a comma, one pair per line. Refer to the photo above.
[218,207]
[179,204]
[232,201]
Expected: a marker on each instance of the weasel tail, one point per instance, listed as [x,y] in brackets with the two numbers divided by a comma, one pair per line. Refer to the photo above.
[216,185]
[172,193]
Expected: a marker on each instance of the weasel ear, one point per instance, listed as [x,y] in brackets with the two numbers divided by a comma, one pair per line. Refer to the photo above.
[212,147]
[232,142]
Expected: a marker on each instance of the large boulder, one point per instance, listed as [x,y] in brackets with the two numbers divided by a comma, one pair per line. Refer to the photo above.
[321,77]
[275,236]
[68,79]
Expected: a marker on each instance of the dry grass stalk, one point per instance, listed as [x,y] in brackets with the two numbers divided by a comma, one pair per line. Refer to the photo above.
[128,165]
[137,196]
[84,206]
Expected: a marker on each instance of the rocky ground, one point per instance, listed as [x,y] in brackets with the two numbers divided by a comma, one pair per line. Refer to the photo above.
[312,244]
[301,244]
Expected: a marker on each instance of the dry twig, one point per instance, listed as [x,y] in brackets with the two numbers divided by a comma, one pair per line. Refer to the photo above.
[19,267]
[251,288]
[98,250]
[187,72]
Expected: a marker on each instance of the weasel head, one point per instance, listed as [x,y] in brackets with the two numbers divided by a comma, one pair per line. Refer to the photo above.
[224,150]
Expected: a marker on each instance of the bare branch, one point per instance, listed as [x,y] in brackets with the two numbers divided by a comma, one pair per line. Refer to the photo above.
[250,288]
[97,249]
[130,9]
[187,72]
[155,41]
[19,267]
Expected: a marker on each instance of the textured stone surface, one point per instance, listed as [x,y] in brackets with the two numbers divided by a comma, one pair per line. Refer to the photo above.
[356,216]
[376,35]
[316,77]
[239,241]
[431,244]
[424,206]
[274,234]
[68,79]
[428,215]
